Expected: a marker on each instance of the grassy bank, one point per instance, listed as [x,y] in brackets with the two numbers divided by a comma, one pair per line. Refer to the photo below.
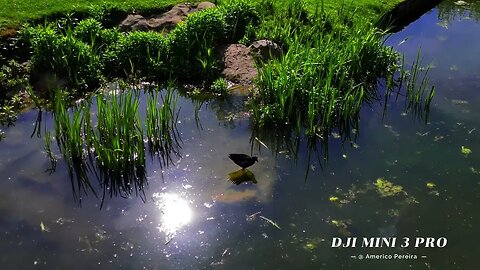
[15,12]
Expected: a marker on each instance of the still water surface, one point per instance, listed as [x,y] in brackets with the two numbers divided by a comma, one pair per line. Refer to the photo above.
[194,218]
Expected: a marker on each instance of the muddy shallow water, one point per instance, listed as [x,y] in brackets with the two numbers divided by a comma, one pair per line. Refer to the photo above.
[193,217]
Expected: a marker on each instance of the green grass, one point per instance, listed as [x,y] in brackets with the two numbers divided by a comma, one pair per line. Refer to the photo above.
[15,12]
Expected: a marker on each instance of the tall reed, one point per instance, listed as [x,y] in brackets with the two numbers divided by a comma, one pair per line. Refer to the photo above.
[106,139]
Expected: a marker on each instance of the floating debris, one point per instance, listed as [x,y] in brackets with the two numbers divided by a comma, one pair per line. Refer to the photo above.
[44,228]
[422,134]
[310,246]
[466,151]
[459,102]
[312,243]
[403,41]
[271,222]
[438,138]
[393,212]
[336,135]
[387,189]
[430,185]
[333,199]
[252,217]
[390,128]
[475,171]
[260,142]
[342,226]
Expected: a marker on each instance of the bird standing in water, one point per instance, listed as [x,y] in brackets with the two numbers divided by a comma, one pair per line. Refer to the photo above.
[243,160]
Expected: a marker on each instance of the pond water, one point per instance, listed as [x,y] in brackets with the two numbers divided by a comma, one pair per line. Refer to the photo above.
[192,217]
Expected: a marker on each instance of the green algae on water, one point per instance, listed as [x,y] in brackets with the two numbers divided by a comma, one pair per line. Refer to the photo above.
[388,189]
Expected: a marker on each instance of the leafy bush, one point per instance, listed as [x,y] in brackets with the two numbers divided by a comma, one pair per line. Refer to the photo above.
[219,86]
[65,56]
[92,32]
[238,15]
[13,77]
[143,52]
[190,39]
[81,52]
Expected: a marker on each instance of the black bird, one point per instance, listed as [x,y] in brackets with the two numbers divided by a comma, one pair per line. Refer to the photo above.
[243,160]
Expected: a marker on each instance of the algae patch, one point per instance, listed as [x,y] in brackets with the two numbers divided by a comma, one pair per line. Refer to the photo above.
[465,151]
[388,189]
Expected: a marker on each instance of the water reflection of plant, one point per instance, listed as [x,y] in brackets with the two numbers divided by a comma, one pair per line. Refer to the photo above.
[451,10]
[112,147]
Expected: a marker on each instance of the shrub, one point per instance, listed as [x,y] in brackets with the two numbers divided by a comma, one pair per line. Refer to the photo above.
[238,15]
[219,86]
[66,57]
[142,52]
[191,39]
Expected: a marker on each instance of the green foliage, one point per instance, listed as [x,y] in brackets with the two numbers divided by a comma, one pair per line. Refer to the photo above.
[331,67]
[160,123]
[112,145]
[92,32]
[191,39]
[83,52]
[144,52]
[65,56]
[388,189]
[219,86]
[13,78]
[237,16]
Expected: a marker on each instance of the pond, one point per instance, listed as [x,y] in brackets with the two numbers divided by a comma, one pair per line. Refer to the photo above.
[399,178]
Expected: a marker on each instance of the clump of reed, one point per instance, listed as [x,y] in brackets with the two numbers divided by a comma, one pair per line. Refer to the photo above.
[110,143]
[160,123]
[332,66]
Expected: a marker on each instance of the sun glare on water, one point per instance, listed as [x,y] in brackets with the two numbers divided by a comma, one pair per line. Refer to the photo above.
[175,213]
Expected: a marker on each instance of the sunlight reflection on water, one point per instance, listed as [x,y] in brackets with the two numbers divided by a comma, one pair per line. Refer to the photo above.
[175,212]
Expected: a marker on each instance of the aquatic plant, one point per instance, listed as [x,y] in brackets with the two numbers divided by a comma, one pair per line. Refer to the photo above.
[111,147]
[161,130]
[418,92]
[332,66]
[465,151]
[219,86]
[387,189]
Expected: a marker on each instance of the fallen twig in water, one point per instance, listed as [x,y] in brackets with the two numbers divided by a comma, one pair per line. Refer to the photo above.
[271,222]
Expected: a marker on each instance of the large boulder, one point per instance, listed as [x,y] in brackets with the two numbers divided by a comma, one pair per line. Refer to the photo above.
[163,22]
[238,64]
[133,22]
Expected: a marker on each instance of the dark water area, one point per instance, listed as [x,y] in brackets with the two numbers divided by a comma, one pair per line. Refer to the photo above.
[193,217]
